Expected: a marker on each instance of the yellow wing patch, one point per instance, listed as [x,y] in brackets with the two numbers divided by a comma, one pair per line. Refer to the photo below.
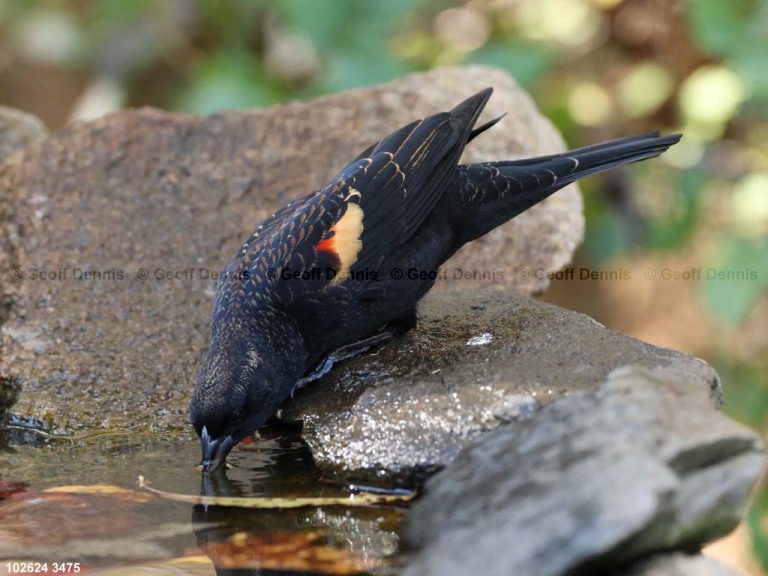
[346,241]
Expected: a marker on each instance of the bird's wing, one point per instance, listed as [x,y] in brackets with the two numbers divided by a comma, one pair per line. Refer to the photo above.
[420,160]
[320,245]
[302,248]
[369,209]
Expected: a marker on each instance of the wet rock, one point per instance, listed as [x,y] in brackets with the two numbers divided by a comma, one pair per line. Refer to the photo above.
[9,392]
[113,232]
[18,130]
[409,408]
[680,565]
[598,479]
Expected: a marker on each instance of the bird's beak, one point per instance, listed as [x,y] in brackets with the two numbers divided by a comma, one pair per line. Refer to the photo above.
[215,450]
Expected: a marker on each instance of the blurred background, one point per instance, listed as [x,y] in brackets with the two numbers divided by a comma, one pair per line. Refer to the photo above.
[689,233]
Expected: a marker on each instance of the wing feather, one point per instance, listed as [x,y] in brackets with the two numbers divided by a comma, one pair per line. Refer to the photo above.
[369,209]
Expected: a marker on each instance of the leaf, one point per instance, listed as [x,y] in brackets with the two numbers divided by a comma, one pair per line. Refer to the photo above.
[526,62]
[225,81]
[353,69]
[301,552]
[61,515]
[745,390]
[101,490]
[671,233]
[756,516]
[119,10]
[752,65]
[735,31]
[277,503]
[737,278]
[353,25]
[321,22]
[721,27]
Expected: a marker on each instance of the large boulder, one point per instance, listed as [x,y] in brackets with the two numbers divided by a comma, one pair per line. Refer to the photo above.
[639,465]
[474,361]
[115,229]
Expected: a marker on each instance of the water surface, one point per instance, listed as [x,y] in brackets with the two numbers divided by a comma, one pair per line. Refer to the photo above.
[134,532]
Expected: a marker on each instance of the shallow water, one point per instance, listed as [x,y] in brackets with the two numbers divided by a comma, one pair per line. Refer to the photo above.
[136,532]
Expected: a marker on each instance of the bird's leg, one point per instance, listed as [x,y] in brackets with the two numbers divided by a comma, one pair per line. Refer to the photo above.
[393,328]
[402,324]
[347,351]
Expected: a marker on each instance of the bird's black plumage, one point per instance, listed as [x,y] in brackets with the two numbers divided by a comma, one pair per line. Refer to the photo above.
[319,274]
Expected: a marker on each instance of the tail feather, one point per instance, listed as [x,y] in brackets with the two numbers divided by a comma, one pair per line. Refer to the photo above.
[589,160]
[492,193]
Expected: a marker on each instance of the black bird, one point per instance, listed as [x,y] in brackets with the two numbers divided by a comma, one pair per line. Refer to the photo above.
[321,279]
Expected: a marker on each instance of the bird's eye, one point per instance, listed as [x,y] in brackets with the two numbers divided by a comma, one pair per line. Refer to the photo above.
[237,415]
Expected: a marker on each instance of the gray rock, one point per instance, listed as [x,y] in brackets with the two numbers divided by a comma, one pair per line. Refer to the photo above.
[96,207]
[679,565]
[412,406]
[642,463]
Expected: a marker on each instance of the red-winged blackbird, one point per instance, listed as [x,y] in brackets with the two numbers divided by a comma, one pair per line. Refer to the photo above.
[342,269]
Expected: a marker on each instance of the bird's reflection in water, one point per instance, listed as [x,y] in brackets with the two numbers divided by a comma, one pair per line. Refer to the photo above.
[311,540]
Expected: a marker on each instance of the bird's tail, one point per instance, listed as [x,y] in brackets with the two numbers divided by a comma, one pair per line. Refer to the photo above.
[492,193]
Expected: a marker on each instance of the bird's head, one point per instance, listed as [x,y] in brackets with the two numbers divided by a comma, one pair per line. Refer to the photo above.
[240,386]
